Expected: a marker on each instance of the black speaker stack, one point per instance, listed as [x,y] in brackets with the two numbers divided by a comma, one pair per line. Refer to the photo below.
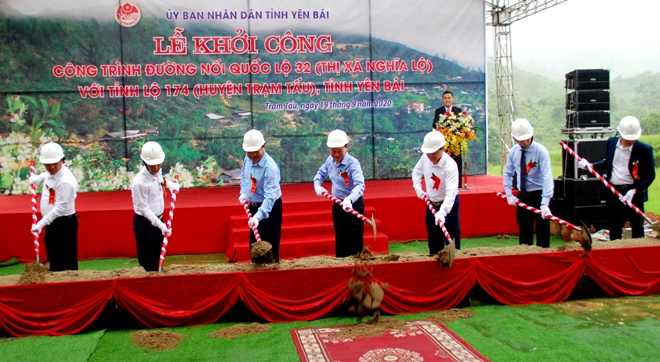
[579,196]
[587,99]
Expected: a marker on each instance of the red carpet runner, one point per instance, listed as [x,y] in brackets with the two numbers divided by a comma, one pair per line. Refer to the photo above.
[420,341]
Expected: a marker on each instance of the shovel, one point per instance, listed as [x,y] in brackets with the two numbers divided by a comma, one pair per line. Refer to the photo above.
[371,222]
[445,257]
[441,224]
[261,251]
[607,184]
[585,240]
[33,191]
[537,211]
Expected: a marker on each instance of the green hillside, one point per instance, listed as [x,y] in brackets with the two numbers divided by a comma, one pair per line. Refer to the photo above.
[542,101]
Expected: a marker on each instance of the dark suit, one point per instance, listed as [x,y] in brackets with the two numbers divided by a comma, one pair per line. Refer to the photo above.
[641,157]
[459,158]
[443,110]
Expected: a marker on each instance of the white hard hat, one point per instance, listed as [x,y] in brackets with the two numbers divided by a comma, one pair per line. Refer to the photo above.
[337,138]
[51,153]
[521,129]
[433,141]
[253,140]
[629,128]
[152,153]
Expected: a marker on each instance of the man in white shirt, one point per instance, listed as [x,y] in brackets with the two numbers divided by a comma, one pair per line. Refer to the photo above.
[58,208]
[629,167]
[440,174]
[149,203]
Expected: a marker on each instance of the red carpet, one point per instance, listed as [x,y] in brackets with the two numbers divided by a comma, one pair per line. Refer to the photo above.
[420,341]
[309,294]
[210,220]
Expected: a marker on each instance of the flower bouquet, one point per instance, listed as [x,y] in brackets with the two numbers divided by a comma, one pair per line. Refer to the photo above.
[458,130]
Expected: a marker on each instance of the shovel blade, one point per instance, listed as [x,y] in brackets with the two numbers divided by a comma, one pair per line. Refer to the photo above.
[261,252]
[585,237]
[445,257]
[373,225]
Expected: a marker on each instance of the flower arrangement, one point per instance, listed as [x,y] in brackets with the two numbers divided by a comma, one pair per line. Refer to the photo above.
[458,130]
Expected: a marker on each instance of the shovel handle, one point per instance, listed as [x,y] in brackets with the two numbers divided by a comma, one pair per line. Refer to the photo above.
[441,224]
[350,209]
[163,248]
[33,191]
[607,184]
[249,216]
[537,211]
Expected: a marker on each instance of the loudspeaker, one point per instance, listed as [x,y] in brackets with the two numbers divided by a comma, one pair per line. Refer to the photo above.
[588,79]
[579,192]
[593,149]
[588,119]
[588,100]
[578,200]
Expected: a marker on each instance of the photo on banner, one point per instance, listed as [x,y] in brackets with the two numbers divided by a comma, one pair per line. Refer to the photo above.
[103,77]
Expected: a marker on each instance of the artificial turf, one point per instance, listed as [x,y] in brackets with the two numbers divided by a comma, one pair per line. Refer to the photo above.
[623,329]
[79,347]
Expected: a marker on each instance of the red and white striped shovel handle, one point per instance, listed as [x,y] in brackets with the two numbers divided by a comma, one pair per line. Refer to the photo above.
[537,211]
[33,190]
[249,216]
[441,224]
[607,184]
[163,248]
[339,202]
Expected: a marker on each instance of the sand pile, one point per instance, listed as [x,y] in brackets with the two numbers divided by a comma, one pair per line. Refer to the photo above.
[37,274]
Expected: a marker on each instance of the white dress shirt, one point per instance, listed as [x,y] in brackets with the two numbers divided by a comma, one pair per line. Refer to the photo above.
[147,195]
[620,171]
[446,171]
[58,195]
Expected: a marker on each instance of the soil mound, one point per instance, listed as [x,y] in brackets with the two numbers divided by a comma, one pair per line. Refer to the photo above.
[239,330]
[156,340]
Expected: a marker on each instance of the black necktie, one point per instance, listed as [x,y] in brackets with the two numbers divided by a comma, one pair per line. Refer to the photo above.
[523,173]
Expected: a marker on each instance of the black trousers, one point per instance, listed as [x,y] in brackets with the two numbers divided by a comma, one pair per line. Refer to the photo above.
[349,229]
[618,213]
[270,229]
[436,237]
[61,242]
[459,162]
[149,240]
[527,219]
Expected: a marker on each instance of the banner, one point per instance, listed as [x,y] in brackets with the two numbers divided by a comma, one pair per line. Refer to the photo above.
[103,77]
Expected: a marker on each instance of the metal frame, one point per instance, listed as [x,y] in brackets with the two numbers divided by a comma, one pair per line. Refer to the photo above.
[500,15]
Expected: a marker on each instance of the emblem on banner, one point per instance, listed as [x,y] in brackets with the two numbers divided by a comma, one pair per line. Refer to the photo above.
[127,14]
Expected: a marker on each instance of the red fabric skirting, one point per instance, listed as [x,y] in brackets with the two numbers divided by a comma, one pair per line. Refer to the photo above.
[308,294]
